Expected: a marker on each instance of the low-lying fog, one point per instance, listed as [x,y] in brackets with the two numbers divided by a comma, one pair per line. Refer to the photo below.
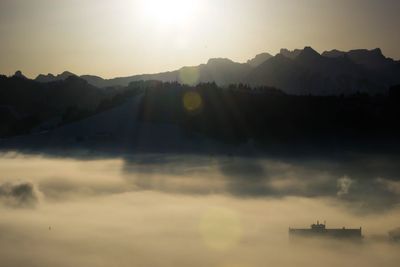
[160,210]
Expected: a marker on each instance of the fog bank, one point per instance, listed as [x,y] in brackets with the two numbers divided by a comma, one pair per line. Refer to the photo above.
[159,210]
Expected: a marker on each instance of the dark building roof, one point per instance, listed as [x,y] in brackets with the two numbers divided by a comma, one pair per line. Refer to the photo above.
[320,230]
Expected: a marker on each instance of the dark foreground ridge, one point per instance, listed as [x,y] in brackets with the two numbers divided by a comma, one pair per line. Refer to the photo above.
[176,117]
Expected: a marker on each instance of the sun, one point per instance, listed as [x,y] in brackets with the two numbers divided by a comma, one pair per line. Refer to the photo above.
[169,12]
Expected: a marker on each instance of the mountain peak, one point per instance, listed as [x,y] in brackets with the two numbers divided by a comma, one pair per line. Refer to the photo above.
[19,74]
[213,61]
[290,54]
[259,59]
[65,75]
[51,78]
[377,51]
[45,78]
[309,55]
[373,59]
[49,75]
[308,50]
[333,53]
[75,79]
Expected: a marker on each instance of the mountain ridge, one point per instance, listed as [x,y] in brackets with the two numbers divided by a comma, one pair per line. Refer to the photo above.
[305,71]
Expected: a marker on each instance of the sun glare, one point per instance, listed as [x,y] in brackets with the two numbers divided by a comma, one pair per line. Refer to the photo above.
[169,12]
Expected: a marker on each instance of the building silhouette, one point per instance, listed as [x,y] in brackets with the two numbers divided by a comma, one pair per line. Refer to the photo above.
[320,230]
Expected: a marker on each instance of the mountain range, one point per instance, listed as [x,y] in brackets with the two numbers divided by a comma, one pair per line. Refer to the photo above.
[299,72]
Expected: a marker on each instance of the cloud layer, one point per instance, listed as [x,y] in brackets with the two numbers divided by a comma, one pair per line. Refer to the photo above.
[19,195]
[165,210]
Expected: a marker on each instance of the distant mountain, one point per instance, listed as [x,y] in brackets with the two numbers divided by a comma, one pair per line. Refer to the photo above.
[19,74]
[46,78]
[301,71]
[334,53]
[98,81]
[219,70]
[332,73]
[290,54]
[372,59]
[51,78]
[259,59]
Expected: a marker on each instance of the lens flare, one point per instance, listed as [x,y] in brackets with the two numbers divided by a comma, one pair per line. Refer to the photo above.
[192,101]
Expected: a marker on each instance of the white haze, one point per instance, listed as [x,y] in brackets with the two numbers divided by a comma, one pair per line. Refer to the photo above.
[149,211]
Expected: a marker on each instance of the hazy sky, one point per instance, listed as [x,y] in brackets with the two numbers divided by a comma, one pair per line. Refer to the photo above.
[125,37]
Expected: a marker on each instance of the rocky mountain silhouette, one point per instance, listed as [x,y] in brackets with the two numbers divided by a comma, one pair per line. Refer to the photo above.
[290,54]
[52,78]
[332,73]
[219,70]
[301,71]
[259,59]
[19,74]
[372,59]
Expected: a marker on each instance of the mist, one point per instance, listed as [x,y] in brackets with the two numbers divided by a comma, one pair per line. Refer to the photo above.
[174,210]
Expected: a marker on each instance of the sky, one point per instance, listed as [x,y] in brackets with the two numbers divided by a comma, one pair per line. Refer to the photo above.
[125,37]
